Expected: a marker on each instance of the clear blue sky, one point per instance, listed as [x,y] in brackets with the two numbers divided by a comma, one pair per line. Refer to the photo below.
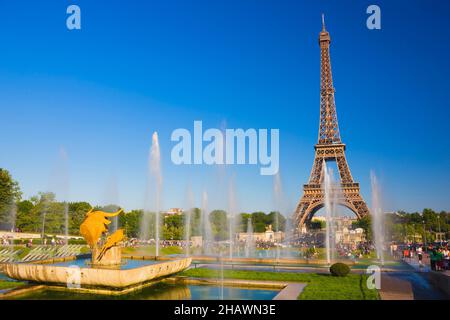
[143,66]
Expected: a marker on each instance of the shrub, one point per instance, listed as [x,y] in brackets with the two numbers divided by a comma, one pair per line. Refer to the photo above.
[339,269]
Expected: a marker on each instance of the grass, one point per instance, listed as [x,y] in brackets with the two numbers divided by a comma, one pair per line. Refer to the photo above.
[10,284]
[320,286]
[151,250]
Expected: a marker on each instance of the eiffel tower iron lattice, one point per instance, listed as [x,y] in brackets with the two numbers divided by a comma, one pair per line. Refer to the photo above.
[328,148]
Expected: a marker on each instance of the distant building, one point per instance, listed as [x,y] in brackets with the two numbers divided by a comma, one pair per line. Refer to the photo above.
[344,232]
[173,212]
[268,236]
[348,236]
[196,241]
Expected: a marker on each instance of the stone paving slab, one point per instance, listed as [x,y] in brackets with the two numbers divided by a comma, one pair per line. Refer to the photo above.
[290,292]
[395,289]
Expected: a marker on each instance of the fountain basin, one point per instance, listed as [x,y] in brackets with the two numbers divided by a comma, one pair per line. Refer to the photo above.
[93,277]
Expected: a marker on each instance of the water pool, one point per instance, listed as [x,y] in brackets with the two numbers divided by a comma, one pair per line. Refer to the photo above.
[126,263]
[162,291]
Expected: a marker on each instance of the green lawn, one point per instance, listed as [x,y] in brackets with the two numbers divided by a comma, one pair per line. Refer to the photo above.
[320,286]
[10,284]
[151,251]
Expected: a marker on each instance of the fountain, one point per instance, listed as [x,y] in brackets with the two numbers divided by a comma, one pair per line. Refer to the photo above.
[155,171]
[13,216]
[377,218]
[105,266]
[153,191]
[331,198]
[59,184]
[43,216]
[232,211]
[188,219]
[92,228]
[206,226]
[278,199]
[66,223]
[112,200]
[249,241]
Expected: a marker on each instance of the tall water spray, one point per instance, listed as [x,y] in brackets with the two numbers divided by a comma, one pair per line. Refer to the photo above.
[232,212]
[153,193]
[66,222]
[13,215]
[249,240]
[377,217]
[111,199]
[59,185]
[206,225]
[331,197]
[155,172]
[278,199]
[188,218]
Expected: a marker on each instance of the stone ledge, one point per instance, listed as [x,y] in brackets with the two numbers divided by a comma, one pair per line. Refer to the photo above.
[94,277]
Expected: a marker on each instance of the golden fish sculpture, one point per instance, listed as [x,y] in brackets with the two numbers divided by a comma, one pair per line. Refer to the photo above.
[94,226]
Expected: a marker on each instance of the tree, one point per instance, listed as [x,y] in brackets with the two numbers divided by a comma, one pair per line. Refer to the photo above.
[196,228]
[277,220]
[9,195]
[242,221]
[219,224]
[47,214]
[173,227]
[317,225]
[131,222]
[365,224]
[77,214]
[260,221]
[25,220]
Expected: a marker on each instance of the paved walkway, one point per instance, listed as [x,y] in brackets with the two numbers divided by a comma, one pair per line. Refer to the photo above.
[394,288]
[409,284]
[290,292]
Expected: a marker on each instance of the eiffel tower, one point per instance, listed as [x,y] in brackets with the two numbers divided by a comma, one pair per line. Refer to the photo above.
[328,148]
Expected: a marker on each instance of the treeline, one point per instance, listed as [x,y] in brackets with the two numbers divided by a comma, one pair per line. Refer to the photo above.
[44,213]
[416,227]
[43,210]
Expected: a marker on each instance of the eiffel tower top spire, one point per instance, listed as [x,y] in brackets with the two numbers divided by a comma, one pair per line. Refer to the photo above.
[328,126]
[323,23]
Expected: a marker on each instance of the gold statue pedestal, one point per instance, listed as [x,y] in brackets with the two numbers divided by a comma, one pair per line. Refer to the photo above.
[112,257]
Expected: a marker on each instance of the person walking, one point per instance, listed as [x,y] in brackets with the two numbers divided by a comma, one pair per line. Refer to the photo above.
[439,260]
[433,258]
[419,255]
[445,253]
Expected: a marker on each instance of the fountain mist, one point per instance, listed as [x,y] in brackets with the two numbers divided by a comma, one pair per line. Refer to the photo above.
[188,218]
[206,225]
[377,218]
[249,241]
[153,193]
[111,199]
[155,172]
[13,216]
[59,184]
[278,199]
[232,212]
[331,199]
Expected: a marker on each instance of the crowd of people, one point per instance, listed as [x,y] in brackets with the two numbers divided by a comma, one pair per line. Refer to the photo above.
[438,254]
[8,241]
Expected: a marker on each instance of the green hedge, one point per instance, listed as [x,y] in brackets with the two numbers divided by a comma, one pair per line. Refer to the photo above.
[339,269]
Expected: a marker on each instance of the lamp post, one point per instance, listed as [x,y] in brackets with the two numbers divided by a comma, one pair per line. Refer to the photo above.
[424,234]
[440,234]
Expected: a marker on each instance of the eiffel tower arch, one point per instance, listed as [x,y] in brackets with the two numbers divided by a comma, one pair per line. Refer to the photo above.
[328,148]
